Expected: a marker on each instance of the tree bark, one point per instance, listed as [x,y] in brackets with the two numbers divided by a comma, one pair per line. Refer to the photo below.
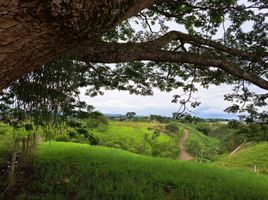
[11,180]
[34,32]
[153,51]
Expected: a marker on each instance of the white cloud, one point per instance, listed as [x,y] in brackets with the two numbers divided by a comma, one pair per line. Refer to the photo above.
[119,102]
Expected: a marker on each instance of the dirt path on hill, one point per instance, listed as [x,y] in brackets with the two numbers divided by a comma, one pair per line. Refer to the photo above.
[184,155]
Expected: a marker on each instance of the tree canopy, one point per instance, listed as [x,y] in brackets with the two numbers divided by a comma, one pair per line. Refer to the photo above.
[153,43]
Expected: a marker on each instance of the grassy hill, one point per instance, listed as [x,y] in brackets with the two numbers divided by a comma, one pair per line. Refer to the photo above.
[248,157]
[147,138]
[79,171]
[130,136]
[200,145]
[65,170]
[138,137]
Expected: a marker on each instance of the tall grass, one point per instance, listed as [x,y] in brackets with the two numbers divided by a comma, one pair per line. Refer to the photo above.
[256,154]
[5,142]
[78,171]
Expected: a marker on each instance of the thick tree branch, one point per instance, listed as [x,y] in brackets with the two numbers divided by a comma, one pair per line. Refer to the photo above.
[198,40]
[127,52]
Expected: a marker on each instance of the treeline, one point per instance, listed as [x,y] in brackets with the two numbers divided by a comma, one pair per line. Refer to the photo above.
[183,118]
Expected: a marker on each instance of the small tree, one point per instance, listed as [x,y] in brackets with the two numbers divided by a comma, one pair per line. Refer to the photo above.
[130,115]
[96,119]
[172,128]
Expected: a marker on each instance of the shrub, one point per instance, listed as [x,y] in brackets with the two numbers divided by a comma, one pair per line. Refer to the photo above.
[93,140]
[195,147]
[79,139]
[172,128]
[156,152]
[90,137]
[62,138]
[82,131]
[74,124]
[28,127]
[203,129]
[168,154]
[96,119]
[71,134]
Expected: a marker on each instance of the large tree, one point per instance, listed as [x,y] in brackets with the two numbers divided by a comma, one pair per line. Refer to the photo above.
[209,42]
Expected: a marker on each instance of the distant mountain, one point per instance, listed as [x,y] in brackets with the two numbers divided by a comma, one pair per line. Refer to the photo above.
[113,115]
[206,118]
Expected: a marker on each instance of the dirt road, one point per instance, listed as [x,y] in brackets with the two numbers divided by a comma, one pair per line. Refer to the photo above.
[184,155]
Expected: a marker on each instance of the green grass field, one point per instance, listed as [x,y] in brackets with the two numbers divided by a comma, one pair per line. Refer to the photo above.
[131,136]
[79,171]
[248,157]
[65,170]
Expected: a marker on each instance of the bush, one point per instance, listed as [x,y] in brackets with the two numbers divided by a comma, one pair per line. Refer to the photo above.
[71,134]
[156,152]
[79,139]
[62,138]
[28,127]
[168,154]
[93,140]
[96,119]
[172,128]
[195,147]
[203,129]
[74,124]
[90,137]
[82,131]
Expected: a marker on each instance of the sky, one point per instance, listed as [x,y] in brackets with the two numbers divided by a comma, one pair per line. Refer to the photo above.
[120,102]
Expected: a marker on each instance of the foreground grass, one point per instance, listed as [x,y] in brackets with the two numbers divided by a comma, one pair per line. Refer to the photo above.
[79,171]
[247,158]
[5,142]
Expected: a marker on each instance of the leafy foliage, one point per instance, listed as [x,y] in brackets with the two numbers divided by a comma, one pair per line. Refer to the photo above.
[234,31]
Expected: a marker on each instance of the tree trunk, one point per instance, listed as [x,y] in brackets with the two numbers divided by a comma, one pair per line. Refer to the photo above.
[34,32]
[11,180]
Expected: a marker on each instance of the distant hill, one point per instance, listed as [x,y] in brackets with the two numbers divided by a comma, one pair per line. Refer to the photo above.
[210,119]
[113,115]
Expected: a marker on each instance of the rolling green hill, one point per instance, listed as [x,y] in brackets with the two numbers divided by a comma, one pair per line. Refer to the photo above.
[138,137]
[79,171]
[130,136]
[200,145]
[255,154]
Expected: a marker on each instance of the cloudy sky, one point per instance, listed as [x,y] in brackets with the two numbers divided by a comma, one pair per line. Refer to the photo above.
[115,102]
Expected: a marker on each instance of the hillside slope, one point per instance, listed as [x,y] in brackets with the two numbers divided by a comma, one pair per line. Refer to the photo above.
[248,157]
[79,171]
[201,146]
[138,137]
